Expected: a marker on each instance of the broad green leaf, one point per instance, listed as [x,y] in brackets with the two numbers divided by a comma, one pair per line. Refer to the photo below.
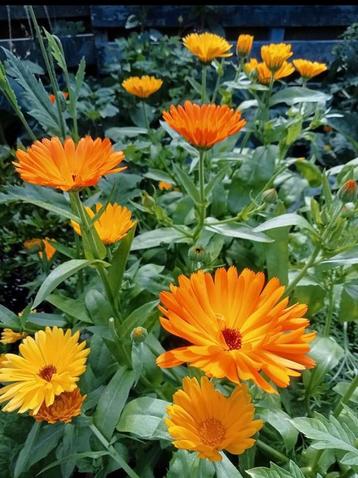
[9,319]
[276,471]
[58,275]
[341,389]
[65,449]
[72,307]
[294,94]
[144,417]
[119,261]
[41,320]
[278,248]
[98,307]
[284,220]
[225,469]
[22,462]
[76,457]
[310,171]
[112,401]
[239,231]
[280,421]
[217,179]
[186,464]
[187,183]
[117,134]
[312,294]
[164,235]
[158,175]
[137,318]
[348,307]
[345,258]
[350,459]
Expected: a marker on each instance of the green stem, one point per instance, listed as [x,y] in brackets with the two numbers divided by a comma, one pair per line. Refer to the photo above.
[346,397]
[329,316]
[272,452]
[202,205]
[113,452]
[50,71]
[19,114]
[145,116]
[217,84]
[203,84]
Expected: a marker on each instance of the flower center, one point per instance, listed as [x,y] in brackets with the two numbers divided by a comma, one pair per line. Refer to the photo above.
[211,432]
[232,338]
[47,372]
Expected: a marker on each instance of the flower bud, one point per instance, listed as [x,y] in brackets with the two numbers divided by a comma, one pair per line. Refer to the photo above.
[269,196]
[349,191]
[138,335]
[244,45]
[147,200]
[197,254]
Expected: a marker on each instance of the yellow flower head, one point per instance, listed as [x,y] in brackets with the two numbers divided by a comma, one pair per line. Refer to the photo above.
[41,245]
[308,69]
[275,54]
[3,360]
[142,86]
[237,326]
[207,46]
[8,336]
[264,75]
[65,407]
[250,66]
[47,365]
[202,419]
[244,45]
[113,223]
[163,186]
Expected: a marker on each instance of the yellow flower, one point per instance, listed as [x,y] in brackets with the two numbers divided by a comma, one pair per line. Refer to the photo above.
[8,336]
[250,66]
[47,365]
[275,54]
[264,75]
[3,360]
[244,45]
[308,69]
[142,86]
[112,225]
[65,407]
[41,245]
[163,186]
[207,46]
[202,419]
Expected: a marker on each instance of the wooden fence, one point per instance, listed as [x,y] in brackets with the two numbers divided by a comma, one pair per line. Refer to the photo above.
[312,30]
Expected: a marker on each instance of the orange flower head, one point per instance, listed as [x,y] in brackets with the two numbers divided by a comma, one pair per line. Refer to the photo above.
[207,46]
[244,45]
[41,246]
[237,327]
[308,69]
[112,224]
[8,336]
[3,360]
[66,406]
[202,419]
[275,54]
[142,86]
[68,166]
[264,75]
[204,125]
[52,98]
[250,66]
[348,192]
[163,186]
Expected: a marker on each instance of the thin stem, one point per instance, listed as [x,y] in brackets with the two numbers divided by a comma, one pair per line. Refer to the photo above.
[202,205]
[346,397]
[203,83]
[217,84]
[329,316]
[271,451]
[145,116]
[113,452]
[20,115]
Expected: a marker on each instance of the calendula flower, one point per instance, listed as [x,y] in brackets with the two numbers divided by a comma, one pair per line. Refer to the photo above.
[163,186]
[250,66]
[66,406]
[113,223]
[275,54]
[68,166]
[207,46]
[47,365]
[237,327]
[41,245]
[8,336]
[308,69]
[244,45]
[3,360]
[264,75]
[204,125]
[142,86]
[52,98]
[202,419]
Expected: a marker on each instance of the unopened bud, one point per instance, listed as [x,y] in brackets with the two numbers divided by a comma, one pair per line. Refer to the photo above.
[147,200]
[349,191]
[197,254]
[348,210]
[315,211]
[270,195]
[138,335]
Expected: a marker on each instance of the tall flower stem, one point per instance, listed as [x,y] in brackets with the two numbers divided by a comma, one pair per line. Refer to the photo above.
[272,451]
[145,116]
[217,84]
[203,83]
[202,205]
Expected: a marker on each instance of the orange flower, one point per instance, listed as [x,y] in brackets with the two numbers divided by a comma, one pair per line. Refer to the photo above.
[8,336]
[163,186]
[308,69]
[250,66]
[244,45]
[143,86]
[275,54]
[207,46]
[236,327]
[112,224]
[68,166]
[202,419]
[41,245]
[204,125]
[264,75]
[53,98]
[66,406]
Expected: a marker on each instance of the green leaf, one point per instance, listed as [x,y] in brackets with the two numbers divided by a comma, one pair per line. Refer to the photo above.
[22,462]
[112,401]
[281,422]
[158,175]
[144,417]
[42,320]
[311,293]
[65,449]
[9,319]
[309,171]
[283,220]
[186,464]
[137,318]
[348,307]
[345,258]
[80,75]
[217,179]
[278,248]
[186,182]
[241,232]
[117,134]
[296,94]
[157,237]
[72,307]
[276,471]
[341,389]
[225,469]
[98,307]
[58,275]
[119,261]
[328,433]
